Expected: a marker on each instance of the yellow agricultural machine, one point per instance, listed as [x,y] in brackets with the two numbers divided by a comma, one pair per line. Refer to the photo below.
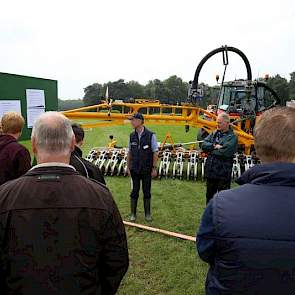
[244,100]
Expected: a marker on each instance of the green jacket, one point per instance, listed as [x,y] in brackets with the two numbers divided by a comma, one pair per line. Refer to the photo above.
[228,141]
[219,162]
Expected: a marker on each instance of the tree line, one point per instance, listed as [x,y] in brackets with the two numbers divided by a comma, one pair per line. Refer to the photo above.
[171,90]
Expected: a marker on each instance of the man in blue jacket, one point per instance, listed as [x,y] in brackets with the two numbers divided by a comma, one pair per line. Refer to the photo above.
[221,146]
[247,235]
[142,164]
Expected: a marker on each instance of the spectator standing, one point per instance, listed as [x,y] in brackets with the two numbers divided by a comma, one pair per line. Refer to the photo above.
[83,166]
[60,232]
[247,235]
[15,159]
[221,146]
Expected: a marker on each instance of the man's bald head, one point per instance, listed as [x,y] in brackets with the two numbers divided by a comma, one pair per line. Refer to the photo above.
[52,134]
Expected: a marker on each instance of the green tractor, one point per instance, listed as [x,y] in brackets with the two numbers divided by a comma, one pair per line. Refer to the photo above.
[244,99]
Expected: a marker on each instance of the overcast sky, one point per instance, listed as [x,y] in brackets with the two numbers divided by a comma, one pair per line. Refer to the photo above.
[82,42]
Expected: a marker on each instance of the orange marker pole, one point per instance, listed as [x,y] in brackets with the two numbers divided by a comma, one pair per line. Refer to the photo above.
[161,231]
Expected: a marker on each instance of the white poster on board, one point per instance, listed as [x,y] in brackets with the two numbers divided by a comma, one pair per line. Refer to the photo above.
[32,115]
[9,106]
[35,105]
[35,98]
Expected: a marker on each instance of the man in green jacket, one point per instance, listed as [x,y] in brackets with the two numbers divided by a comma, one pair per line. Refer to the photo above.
[221,146]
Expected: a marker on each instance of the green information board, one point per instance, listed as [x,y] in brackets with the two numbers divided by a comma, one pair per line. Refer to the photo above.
[14,88]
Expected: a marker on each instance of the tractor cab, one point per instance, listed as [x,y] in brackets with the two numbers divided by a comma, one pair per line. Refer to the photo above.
[242,97]
[244,100]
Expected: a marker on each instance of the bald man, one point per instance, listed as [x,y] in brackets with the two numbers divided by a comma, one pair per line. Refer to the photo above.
[221,146]
[62,232]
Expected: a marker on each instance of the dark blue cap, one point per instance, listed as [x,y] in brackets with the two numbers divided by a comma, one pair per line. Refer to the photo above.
[137,116]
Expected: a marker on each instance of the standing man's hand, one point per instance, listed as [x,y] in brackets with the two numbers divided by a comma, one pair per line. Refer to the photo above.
[154,172]
[218,146]
[128,172]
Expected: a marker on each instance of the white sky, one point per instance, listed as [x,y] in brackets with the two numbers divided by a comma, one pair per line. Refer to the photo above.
[82,42]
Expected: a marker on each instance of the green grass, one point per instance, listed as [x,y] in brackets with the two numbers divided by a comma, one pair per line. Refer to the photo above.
[100,136]
[159,264]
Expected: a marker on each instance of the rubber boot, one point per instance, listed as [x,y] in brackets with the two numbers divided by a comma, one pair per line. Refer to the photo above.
[147,210]
[133,209]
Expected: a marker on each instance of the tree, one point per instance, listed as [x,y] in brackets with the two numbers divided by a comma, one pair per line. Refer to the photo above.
[92,94]
[155,89]
[69,104]
[281,86]
[117,89]
[135,90]
[175,87]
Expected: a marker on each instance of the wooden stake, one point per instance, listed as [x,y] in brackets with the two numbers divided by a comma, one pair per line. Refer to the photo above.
[161,231]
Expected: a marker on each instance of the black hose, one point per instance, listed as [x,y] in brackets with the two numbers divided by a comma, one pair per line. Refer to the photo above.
[195,82]
[277,100]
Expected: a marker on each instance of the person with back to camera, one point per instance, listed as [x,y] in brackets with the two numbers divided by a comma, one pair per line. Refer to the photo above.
[15,159]
[246,234]
[83,166]
[60,233]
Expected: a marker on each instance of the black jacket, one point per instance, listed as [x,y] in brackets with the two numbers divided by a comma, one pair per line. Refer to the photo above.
[60,233]
[15,159]
[141,151]
[219,162]
[84,167]
[247,234]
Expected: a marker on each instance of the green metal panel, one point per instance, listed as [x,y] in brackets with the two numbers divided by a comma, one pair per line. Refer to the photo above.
[14,87]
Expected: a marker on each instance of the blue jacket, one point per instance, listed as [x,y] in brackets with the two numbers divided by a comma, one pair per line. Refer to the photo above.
[247,234]
[141,151]
[219,162]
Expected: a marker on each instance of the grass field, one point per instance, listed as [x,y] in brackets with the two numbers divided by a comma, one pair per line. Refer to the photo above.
[159,264]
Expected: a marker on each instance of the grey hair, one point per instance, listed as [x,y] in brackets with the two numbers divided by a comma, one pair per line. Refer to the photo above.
[225,117]
[53,133]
